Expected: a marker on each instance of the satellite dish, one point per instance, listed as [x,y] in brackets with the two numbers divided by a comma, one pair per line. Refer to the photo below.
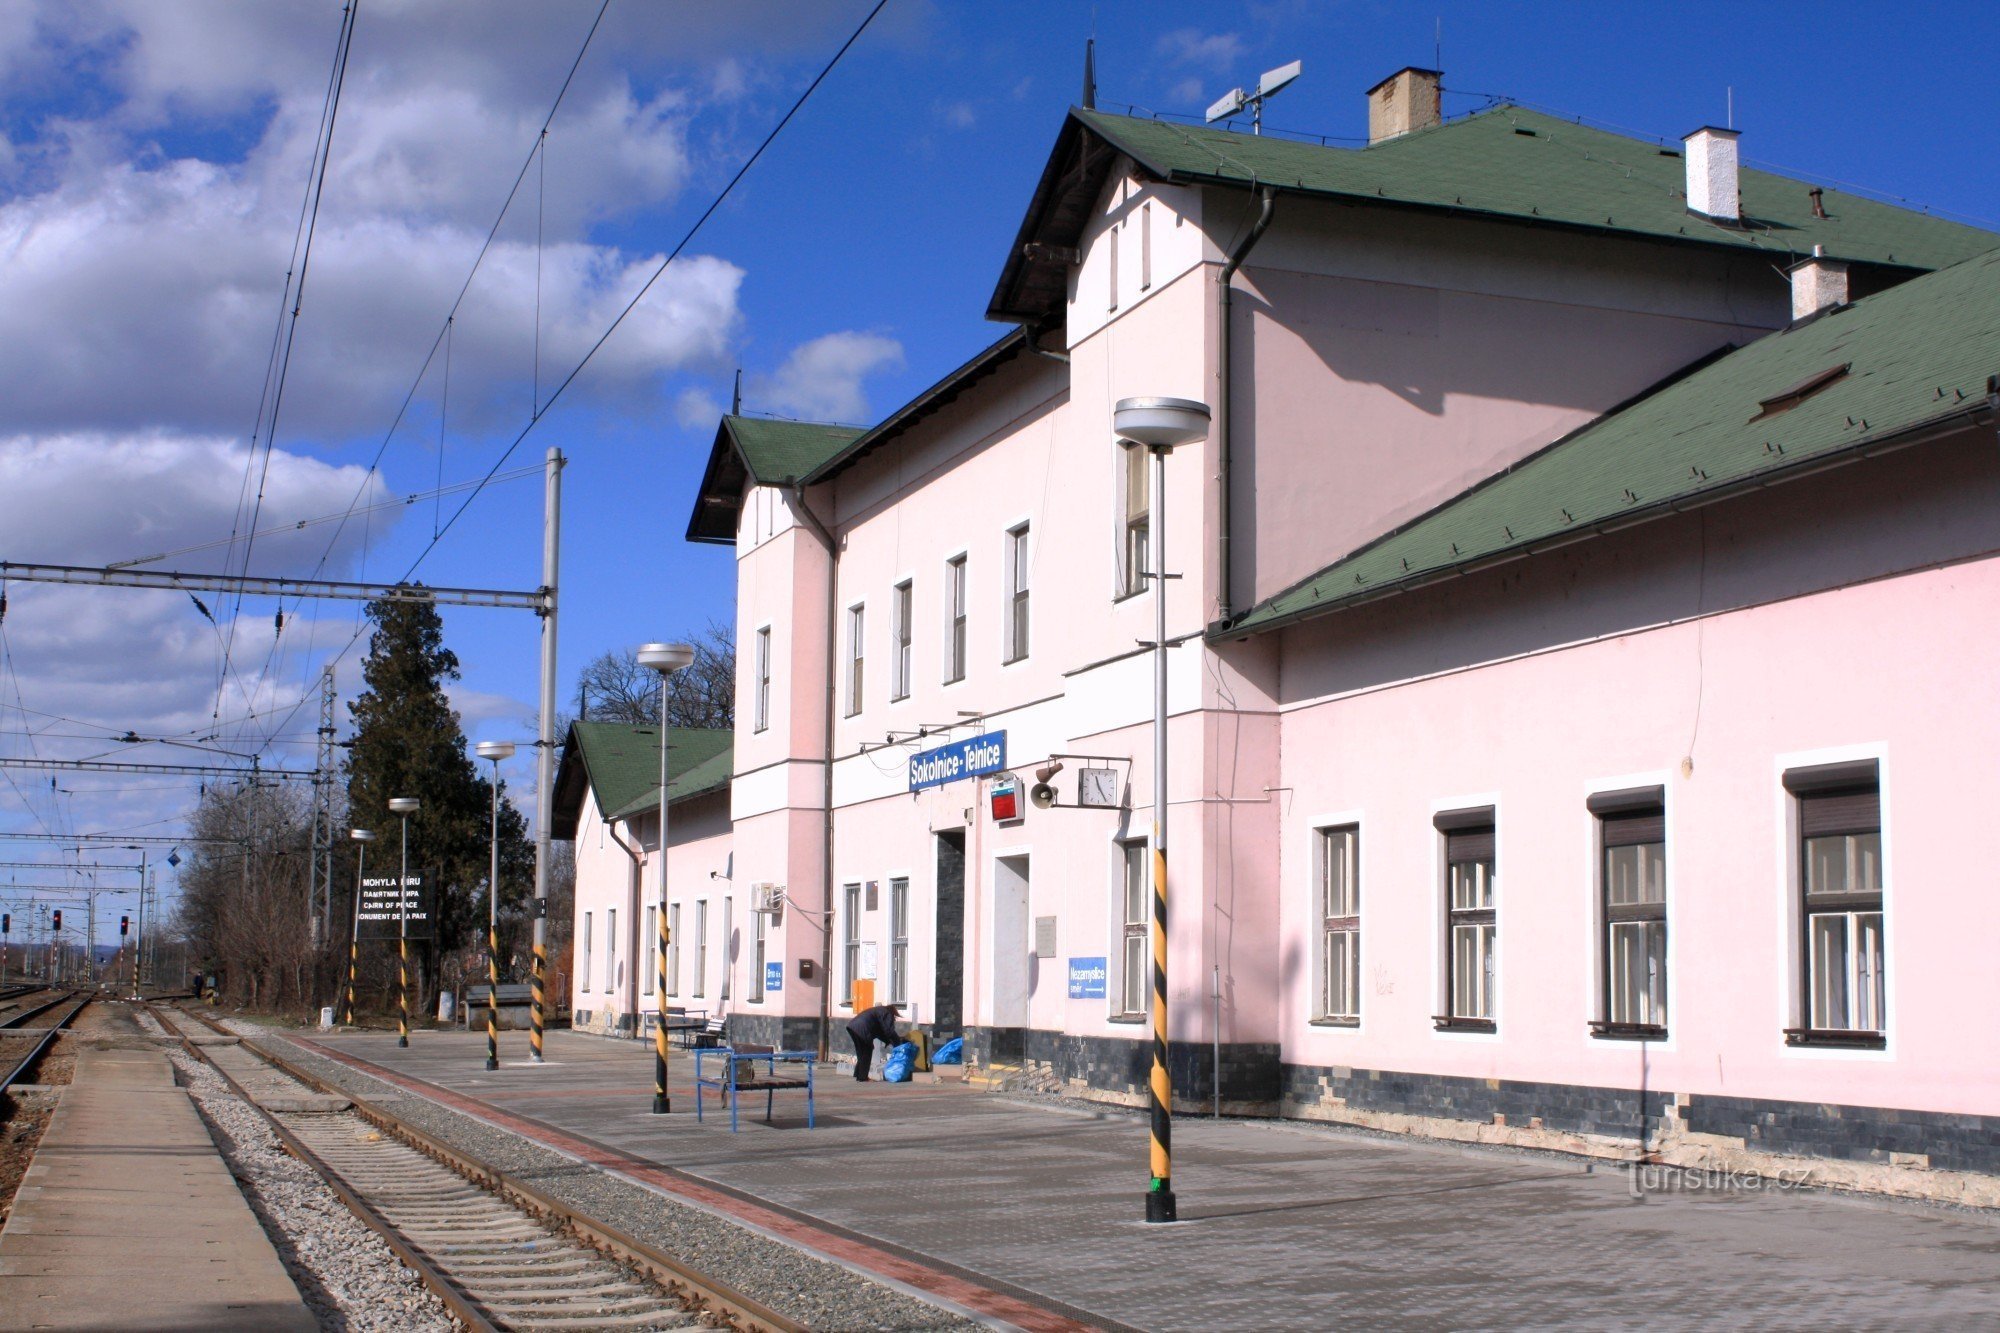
[1043,795]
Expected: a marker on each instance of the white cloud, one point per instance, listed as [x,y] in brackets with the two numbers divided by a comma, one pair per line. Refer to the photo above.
[1191,46]
[958,115]
[696,408]
[821,379]
[1187,90]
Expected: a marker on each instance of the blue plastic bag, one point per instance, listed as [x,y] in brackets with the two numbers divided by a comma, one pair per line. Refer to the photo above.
[896,1069]
[951,1053]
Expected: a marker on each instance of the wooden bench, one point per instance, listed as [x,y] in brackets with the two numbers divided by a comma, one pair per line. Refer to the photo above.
[739,1072]
[512,997]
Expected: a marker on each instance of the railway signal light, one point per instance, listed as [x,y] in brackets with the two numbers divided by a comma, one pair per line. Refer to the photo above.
[6,923]
[124,926]
[55,919]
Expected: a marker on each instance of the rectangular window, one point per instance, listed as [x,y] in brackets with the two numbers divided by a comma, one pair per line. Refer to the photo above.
[674,949]
[1146,246]
[701,947]
[1138,511]
[1017,593]
[650,946]
[1471,925]
[722,991]
[899,941]
[1340,925]
[899,663]
[583,969]
[856,623]
[954,604]
[1632,907]
[1135,972]
[850,942]
[1840,877]
[758,921]
[763,707]
[1111,279]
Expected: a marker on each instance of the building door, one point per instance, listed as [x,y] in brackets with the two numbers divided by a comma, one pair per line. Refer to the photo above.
[1010,959]
[948,1004]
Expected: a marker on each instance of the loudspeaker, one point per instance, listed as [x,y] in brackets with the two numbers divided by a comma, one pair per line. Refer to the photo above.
[1043,795]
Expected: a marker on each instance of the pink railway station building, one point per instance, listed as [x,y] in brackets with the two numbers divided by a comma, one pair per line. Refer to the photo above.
[1583,628]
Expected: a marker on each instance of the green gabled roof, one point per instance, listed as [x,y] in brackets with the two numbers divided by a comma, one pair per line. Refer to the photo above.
[618,765]
[1914,358]
[761,451]
[1508,163]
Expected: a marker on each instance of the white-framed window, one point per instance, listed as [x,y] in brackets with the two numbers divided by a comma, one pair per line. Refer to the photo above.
[1135,971]
[583,949]
[1471,933]
[1135,502]
[1146,246]
[899,619]
[762,713]
[728,903]
[673,948]
[611,949]
[1017,593]
[1338,861]
[899,940]
[650,946]
[700,947]
[1840,878]
[850,941]
[1632,912]
[954,619]
[759,922]
[856,651]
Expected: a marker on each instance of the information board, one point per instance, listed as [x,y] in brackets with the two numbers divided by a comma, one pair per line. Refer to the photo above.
[774,978]
[380,917]
[1086,978]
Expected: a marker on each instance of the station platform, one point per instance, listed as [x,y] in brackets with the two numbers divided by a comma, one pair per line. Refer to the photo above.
[128,1218]
[1011,1206]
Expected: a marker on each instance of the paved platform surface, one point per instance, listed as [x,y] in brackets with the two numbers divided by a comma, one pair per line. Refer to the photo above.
[128,1218]
[1283,1225]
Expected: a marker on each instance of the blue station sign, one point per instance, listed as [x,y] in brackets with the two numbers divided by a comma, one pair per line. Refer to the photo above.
[973,757]
[1086,978]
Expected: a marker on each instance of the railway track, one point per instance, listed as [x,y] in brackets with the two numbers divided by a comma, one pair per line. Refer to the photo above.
[498,1253]
[19,1050]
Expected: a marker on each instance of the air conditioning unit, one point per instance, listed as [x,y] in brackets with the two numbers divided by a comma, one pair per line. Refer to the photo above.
[767,899]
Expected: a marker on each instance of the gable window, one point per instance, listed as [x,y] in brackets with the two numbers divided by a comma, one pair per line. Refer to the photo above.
[850,941]
[1136,915]
[583,970]
[701,947]
[1017,593]
[1471,932]
[1137,525]
[1844,991]
[856,623]
[674,949]
[899,940]
[1339,893]
[762,714]
[1632,908]
[954,610]
[899,663]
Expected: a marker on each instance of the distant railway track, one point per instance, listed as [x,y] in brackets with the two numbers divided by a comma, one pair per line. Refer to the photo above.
[477,1237]
[20,1050]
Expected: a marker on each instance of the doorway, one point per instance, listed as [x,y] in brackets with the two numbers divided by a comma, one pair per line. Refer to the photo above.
[1010,959]
[948,1001]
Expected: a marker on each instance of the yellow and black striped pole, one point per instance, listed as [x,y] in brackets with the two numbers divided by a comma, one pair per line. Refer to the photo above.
[361,838]
[535,996]
[404,806]
[662,1102]
[495,751]
[493,997]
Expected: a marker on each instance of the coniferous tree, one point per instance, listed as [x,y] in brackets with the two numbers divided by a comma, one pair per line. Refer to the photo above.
[408,742]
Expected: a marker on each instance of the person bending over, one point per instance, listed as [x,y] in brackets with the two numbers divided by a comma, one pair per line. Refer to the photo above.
[868,1027]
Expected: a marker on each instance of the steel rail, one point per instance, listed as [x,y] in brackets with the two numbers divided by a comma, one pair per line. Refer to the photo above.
[48,1035]
[461,1305]
[743,1312]
[21,1019]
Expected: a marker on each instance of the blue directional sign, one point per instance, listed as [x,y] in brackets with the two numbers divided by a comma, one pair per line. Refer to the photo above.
[1086,978]
[774,977]
[973,757]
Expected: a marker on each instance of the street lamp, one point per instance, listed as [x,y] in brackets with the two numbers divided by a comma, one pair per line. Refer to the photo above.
[362,837]
[1159,425]
[665,658]
[404,806]
[496,751]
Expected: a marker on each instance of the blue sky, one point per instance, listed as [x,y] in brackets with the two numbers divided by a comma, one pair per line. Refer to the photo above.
[152,160]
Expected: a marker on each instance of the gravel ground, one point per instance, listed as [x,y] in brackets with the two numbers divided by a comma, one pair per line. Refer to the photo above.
[812,1291]
[350,1279]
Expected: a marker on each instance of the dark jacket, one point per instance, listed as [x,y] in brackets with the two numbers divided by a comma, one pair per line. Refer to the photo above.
[878,1023]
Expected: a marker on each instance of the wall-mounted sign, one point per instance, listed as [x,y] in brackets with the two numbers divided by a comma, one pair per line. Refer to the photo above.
[382,919]
[774,978]
[1005,794]
[865,963]
[1086,978]
[973,757]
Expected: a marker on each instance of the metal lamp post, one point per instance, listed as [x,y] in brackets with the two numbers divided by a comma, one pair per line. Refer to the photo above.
[665,658]
[404,806]
[1159,425]
[362,837]
[496,751]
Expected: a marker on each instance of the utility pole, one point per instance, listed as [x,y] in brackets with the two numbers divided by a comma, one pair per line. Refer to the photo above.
[545,748]
[321,861]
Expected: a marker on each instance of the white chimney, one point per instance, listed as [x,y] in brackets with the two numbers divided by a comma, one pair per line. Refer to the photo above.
[1818,284]
[1407,100]
[1711,173]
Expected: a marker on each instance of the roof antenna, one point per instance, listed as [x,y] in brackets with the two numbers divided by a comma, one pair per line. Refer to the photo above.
[1437,45]
[1090,75]
[736,398]
[1233,101]
[1730,106]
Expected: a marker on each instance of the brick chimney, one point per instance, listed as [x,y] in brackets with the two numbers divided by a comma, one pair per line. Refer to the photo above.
[1818,283]
[1711,174]
[1406,100]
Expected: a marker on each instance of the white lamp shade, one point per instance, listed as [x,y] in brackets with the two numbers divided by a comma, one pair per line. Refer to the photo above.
[1160,423]
[361,834]
[494,749]
[403,805]
[665,657]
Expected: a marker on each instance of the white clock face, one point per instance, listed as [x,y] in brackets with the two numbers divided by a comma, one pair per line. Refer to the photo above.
[1097,786]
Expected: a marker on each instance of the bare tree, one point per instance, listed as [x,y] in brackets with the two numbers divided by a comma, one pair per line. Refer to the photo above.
[615,688]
